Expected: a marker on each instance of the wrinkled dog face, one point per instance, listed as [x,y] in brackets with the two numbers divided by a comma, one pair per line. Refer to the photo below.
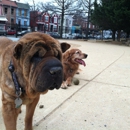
[41,61]
[47,73]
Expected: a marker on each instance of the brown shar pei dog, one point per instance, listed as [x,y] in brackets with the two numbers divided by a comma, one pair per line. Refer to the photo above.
[72,58]
[29,67]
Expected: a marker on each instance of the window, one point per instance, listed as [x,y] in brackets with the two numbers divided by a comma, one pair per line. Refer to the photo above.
[54,28]
[55,19]
[46,27]
[19,12]
[59,21]
[19,23]
[25,23]
[25,12]
[89,26]
[69,22]
[12,11]
[39,18]
[6,10]
[84,24]
[46,18]
[66,22]
[1,27]
[12,21]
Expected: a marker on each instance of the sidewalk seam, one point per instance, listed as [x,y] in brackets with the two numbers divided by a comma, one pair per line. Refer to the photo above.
[111,84]
[107,67]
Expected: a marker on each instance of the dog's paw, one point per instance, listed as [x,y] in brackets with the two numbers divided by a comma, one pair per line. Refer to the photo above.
[68,83]
[77,72]
[64,85]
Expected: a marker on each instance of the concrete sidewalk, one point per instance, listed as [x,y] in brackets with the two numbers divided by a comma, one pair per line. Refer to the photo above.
[100,102]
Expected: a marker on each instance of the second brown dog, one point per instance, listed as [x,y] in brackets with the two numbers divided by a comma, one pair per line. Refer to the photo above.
[71,61]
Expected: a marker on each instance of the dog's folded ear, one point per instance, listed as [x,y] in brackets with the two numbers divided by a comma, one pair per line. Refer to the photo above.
[64,46]
[17,51]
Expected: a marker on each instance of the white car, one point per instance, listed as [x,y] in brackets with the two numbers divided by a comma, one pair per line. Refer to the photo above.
[108,36]
[66,36]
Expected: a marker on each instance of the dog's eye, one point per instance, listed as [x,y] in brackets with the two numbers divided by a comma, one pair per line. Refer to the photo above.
[77,52]
[36,54]
[36,57]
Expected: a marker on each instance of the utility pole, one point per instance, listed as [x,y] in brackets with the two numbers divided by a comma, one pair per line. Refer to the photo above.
[88,19]
[10,17]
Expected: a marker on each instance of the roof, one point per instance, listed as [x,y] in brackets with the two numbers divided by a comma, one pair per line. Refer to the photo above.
[8,2]
[23,5]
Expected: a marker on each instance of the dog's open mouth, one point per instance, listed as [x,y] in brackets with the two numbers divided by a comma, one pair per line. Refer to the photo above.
[80,61]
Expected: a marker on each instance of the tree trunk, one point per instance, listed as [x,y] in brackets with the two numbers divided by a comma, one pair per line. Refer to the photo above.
[127,35]
[113,34]
[87,30]
[118,35]
[62,20]
[102,35]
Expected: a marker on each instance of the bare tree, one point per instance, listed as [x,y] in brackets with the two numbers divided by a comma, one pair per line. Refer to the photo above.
[86,8]
[35,12]
[61,7]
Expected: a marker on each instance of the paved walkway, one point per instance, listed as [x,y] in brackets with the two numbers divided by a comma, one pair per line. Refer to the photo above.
[100,102]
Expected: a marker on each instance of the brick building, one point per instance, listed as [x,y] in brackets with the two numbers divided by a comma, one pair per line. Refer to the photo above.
[9,10]
[43,21]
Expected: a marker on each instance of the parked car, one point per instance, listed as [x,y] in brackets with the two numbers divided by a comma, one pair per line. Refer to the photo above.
[99,37]
[108,36]
[22,32]
[3,32]
[11,32]
[54,34]
[67,36]
[80,36]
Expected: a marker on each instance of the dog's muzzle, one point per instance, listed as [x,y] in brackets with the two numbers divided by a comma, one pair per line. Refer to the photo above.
[55,72]
[48,74]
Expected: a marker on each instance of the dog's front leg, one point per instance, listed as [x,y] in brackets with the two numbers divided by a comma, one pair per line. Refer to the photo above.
[69,81]
[30,108]
[66,83]
[10,114]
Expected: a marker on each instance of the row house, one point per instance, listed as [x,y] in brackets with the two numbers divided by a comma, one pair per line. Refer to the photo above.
[43,21]
[3,19]
[17,14]
[9,11]
[80,24]
[68,23]
[22,16]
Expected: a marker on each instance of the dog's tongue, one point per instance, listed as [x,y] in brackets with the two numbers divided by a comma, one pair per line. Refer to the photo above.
[80,61]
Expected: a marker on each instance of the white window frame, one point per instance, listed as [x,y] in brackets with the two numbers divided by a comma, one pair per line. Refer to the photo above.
[46,26]
[25,21]
[55,19]
[54,27]
[46,18]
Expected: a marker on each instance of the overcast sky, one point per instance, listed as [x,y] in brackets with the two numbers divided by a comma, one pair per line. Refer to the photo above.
[30,1]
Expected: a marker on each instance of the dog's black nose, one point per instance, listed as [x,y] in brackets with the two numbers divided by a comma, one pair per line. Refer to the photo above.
[85,55]
[55,70]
